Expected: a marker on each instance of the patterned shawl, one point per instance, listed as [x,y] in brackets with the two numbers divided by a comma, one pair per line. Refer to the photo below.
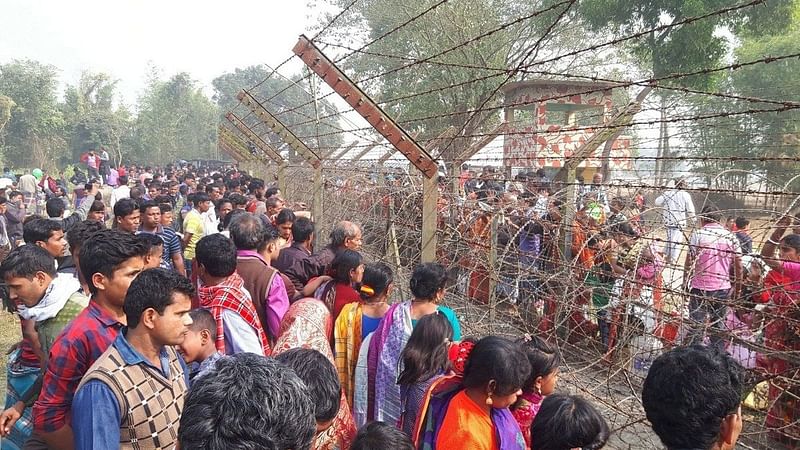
[307,324]
[388,341]
[347,341]
[231,295]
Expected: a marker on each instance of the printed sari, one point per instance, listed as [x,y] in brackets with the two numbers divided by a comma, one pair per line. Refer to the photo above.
[308,324]
[347,342]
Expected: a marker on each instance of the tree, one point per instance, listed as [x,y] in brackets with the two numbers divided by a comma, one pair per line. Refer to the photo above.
[289,94]
[32,134]
[176,121]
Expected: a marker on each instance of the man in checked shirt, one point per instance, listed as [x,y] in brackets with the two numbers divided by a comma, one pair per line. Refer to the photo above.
[109,260]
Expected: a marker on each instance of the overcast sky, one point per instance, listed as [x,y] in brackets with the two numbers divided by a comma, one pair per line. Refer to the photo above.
[120,37]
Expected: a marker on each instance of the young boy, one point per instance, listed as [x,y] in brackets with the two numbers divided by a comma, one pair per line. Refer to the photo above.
[743,235]
[199,346]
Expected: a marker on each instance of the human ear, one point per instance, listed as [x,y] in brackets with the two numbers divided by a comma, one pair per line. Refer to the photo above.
[491,387]
[730,428]
[148,318]
[99,281]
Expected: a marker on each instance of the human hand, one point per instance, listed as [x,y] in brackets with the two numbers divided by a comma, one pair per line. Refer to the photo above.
[10,417]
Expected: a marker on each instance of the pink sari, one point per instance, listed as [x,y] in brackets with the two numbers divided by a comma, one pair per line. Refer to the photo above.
[308,324]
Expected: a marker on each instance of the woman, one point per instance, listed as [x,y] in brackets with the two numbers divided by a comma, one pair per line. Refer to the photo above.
[566,422]
[339,288]
[358,319]
[472,412]
[782,332]
[307,324]
[424,359]
[377,395]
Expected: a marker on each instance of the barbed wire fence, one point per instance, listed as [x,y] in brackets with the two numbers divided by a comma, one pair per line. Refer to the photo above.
[498,287]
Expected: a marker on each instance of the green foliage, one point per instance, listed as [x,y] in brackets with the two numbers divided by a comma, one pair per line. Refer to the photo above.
[176,121]
[33,130]
[683,48]
[290,94]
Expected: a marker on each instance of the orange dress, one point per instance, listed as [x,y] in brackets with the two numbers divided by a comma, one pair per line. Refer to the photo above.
[466,427]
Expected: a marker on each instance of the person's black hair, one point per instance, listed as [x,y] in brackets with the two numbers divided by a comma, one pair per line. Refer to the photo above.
[247,231]
[183,189]
[542,356]
[14,194]
[147,205]
[125,207]
[200,197]
[217,254]
[26,260]
[302,229]
[165,207]
[97,205]
[154,288]
[427,279]
[623,228]
[40,229]
[496,359]
[381,436]
[150,240]
[286,215]
[377,278]
[81,231]
[425,354]
[230,217]
[123,180]
[792,240]
[271,233]
[210,187]
[565,422]
[742,222]
[343,263]
[136,193]
[237,199]
[321,378]
[273,407]
[271,191]
[222,201]
[104,251]
[688,392]
[202,319]
[711,213]
[54,207]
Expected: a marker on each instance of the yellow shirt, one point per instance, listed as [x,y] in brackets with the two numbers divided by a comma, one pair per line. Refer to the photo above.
[466,427]
[192,223]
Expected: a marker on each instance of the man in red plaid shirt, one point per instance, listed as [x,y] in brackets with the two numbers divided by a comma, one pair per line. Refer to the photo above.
[109,261]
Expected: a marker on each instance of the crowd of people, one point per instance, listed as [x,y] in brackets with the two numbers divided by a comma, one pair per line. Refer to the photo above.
[198,310]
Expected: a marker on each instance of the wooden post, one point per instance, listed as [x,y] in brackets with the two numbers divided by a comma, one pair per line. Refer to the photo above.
[570,205]
[491,268]
[430,200]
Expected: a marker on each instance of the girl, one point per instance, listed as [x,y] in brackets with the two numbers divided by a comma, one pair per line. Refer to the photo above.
[424,359]
[473,414]
[359,319]
[339,288]
[381,350]
[567,422]
[541,382]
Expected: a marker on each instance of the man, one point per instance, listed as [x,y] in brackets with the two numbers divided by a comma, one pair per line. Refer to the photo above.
[15,215]
[193,229]
[210,219]
[617,215]
[257,188]
[714,253]
[283,222]
[48,299]
[238,201]
[345,235]
[120,192]
[46,234]
[55,209]
[278,413]
[167,219]
[5,241]
[172,257]
[274,206]
[223,207]
[223,293]
[597,191]
[103,159]
[109,261]
[93,165]
[141,373]
[692,397]
[28,185]
[264,283]
[676,209]
[292,260]
[484,186]
[127,216]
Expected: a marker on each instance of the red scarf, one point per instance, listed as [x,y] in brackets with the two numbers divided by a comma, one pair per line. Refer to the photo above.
[231,295]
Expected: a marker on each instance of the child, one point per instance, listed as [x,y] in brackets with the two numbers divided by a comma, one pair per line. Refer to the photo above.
[600,282]
[567,422]
[424,359]
[743,235]
[155,245]
[541,382]
[199,345]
